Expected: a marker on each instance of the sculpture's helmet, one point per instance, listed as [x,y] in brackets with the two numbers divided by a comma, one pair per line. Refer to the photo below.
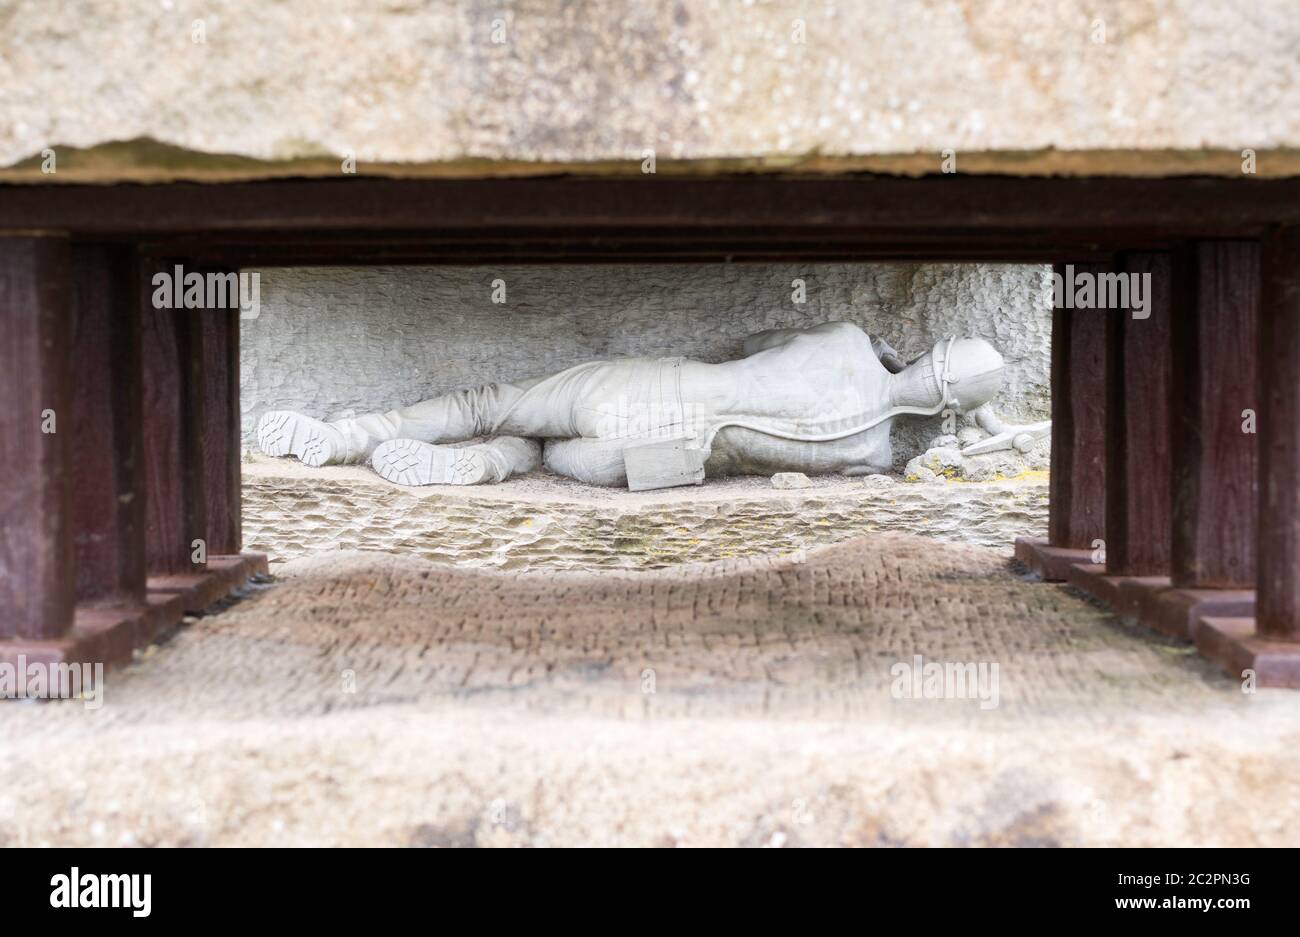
[970,368]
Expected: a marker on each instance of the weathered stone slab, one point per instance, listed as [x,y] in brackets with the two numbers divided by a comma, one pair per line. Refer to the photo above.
[250,89]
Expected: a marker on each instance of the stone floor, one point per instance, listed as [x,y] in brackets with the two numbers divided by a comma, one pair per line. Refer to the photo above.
[543,521]
[379,698]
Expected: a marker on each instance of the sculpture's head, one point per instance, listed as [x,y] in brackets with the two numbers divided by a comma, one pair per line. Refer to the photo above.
[972,369]
[969,368]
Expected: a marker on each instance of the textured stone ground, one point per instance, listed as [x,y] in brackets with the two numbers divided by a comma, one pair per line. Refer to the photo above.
[543,521]
[375,699]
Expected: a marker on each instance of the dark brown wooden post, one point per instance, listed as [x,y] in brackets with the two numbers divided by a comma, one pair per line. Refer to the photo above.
[108,467]
[1137,421]
[1212,443]
[1077,508]
[1278,581]
[37,592]
[1078,484]
[221,428]
[1137,514]
[1265,650]
[172,355]
[1214,385]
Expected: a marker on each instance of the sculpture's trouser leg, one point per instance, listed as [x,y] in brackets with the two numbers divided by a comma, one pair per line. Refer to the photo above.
[539,407]
[454,417]
[508,455]
[591,461]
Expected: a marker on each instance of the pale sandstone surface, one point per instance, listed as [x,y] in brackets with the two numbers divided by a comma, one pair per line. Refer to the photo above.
[420,87]
[514,709]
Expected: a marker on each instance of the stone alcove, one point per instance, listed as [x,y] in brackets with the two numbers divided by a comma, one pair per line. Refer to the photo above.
[340,341]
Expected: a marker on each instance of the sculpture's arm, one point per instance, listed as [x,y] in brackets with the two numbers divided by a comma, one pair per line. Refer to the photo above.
[887,355]
[774,338]
[1004,435]
[770,338]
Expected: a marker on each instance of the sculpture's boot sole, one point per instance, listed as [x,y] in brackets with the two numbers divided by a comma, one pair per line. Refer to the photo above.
[410,462]
[283,432]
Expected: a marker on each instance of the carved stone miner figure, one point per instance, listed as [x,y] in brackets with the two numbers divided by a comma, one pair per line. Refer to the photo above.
[817,400]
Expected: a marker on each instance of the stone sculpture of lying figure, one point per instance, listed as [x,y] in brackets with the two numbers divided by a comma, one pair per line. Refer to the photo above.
[817,400]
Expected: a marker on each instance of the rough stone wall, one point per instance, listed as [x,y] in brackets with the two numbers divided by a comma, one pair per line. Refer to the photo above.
[339,341]
[406,85]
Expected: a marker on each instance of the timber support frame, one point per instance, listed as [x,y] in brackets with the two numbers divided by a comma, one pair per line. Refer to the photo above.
[1196,518]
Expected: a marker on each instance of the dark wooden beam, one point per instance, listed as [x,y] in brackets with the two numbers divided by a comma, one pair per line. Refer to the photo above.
[108,467]
[172,353]
[36,436]
[681,244]
[615,237]
[307,255]
[966,205]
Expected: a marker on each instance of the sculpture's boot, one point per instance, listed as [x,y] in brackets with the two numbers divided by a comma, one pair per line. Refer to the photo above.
[411,462]
[315,443]
[452,417]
